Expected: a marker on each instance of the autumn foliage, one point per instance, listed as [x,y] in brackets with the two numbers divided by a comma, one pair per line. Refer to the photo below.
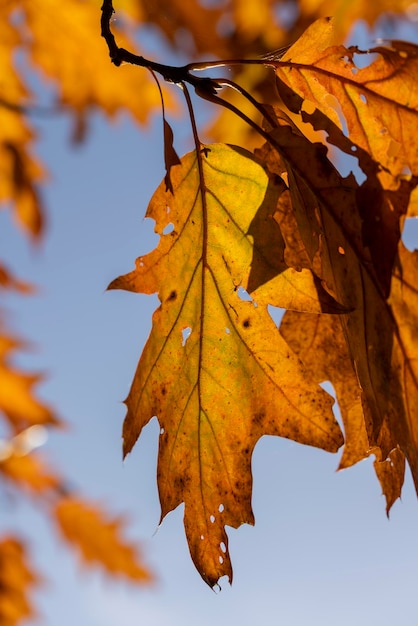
[270,221]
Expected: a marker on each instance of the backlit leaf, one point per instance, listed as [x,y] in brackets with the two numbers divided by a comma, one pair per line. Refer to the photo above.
[319,342]
[310,337]
[378,103]
[403,303]
[215,370]
[380,333]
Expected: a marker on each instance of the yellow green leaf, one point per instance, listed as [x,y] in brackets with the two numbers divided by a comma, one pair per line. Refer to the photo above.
[215,371]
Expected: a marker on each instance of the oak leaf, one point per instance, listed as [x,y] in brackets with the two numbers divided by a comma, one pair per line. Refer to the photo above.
[215,370]
[379,332]
[319,342]
[98,539]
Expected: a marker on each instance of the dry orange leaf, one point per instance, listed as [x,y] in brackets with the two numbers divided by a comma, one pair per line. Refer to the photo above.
[99,540]
[380,332]
[16,580]
[215,370]
[29,471]
[20,172]
[17,400]
[378,103]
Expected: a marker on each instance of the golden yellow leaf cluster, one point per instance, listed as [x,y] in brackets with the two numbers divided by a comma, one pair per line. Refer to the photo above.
[248,232]
[285,230]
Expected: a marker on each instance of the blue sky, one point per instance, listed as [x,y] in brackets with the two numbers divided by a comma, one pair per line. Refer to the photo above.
[322,550]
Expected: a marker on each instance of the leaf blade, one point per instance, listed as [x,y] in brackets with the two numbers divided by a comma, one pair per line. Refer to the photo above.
[232,351]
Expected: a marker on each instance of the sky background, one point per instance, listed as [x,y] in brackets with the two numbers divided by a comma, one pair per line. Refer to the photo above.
[322,550]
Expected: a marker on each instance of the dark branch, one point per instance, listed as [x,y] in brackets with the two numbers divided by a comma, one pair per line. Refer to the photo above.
[173,74]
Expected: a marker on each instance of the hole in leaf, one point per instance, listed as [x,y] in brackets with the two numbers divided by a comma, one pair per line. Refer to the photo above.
[363,98]
[212,519]
[244,295]
[332,101]
[365,59]
[410,233]
[202,537]
[167,209]
[168,229]
[186,332]
[221,559]
[276,313]
[162,431]
[228,332]
[222,546]
[329,388]
[221,508]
